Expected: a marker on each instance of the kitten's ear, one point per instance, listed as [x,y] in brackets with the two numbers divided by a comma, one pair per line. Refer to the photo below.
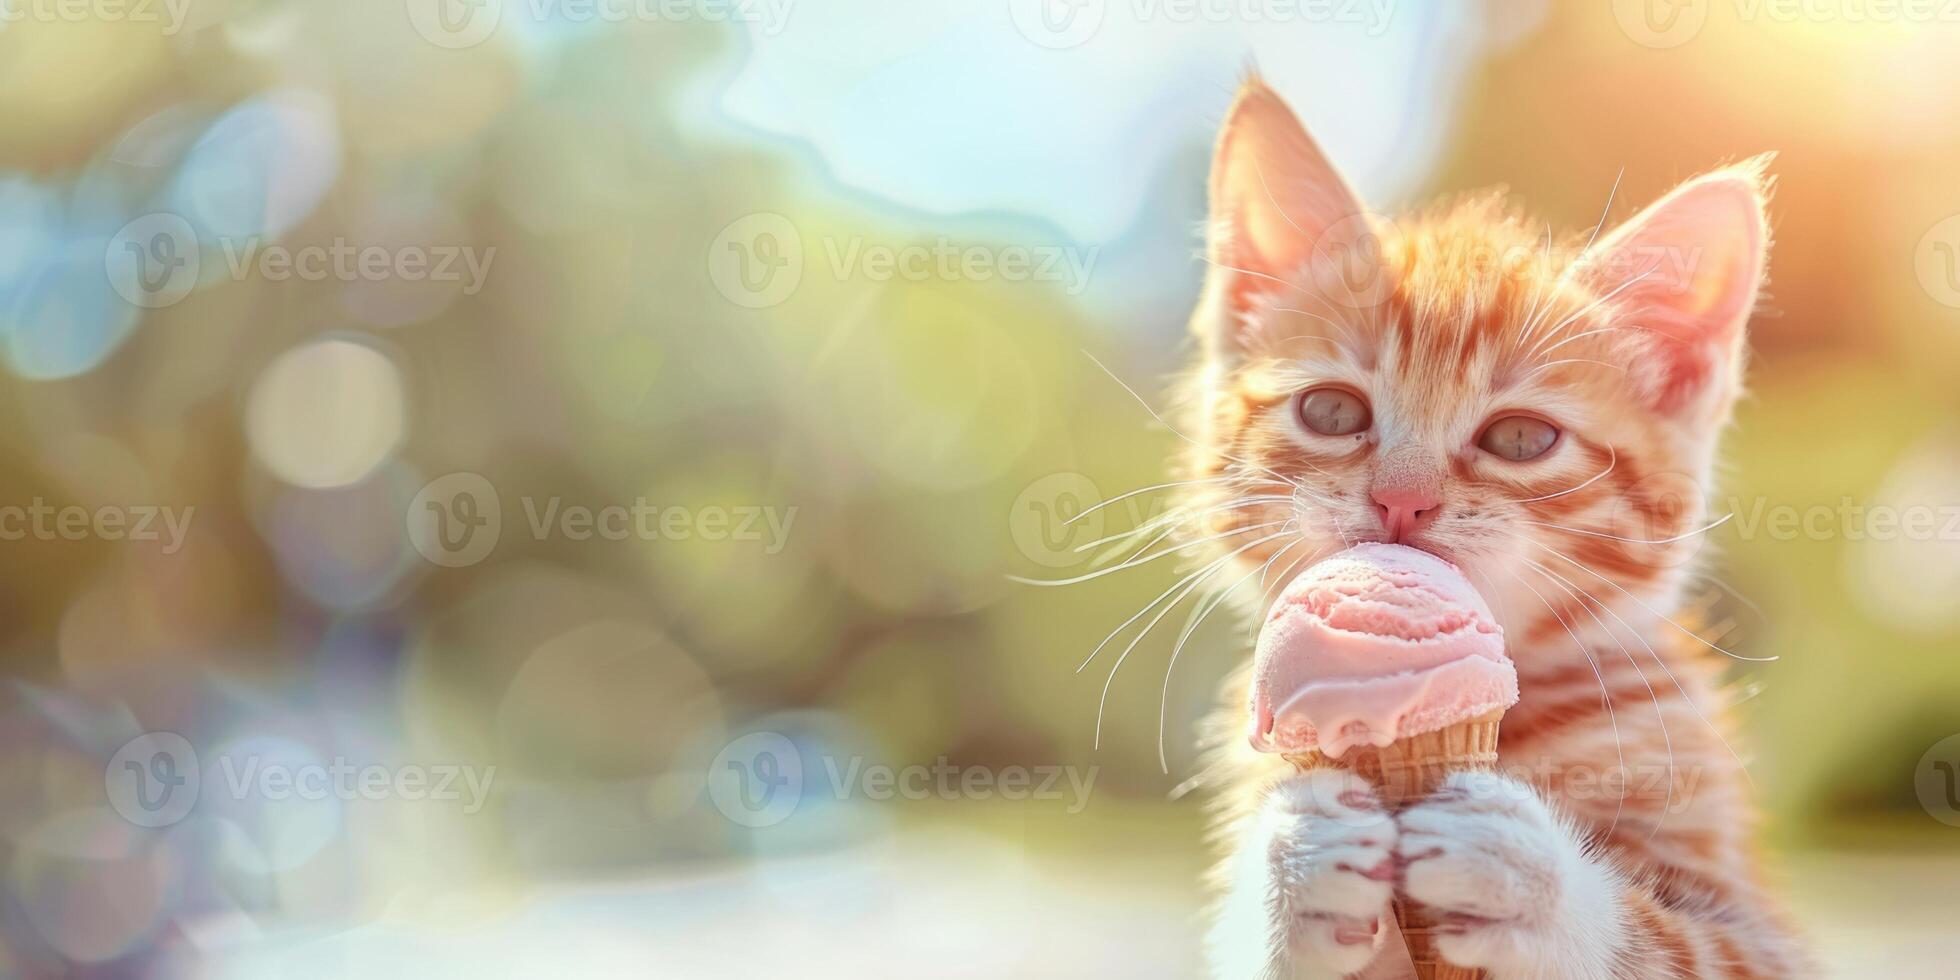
[1275,203]
[1684,275]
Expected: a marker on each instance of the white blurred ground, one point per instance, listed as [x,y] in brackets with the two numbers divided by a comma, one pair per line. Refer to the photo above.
[956,903]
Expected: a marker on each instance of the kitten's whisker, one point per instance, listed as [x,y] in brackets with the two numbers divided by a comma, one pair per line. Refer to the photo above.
[1314,297]
[1160,597]
[1662,662]
[1490,591]
[1331,323]
[1604,212]
[1761,616]
[1174,549]
[1164,699]
[1605,695]
[1295,484]
[1548,365]
[1565,276]
[1698,638]
[1260,172]
[1724,519]
[1592,239]
[1578,336]
[1289,568]
[1371,324]
[1340,530]
[1177,517]
[1197,579]
[1267,591]
[1614,461]
[1660,715]
[1142,490]
[1208,260]
[1318,497]
[1171,523]
[1118,549]
[1308,336]
[1595,304]
[1538,292]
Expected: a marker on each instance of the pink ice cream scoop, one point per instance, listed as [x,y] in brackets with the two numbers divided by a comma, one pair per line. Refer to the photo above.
[1375,644]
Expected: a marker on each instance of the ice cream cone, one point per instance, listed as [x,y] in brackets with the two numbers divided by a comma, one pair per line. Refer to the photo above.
[1385,661]
[1404,772]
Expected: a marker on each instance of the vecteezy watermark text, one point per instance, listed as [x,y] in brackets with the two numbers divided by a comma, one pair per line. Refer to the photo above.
[457,519]
[1060,24]
[157,778]
[1847,519]
[758,779]
[43,521]
[758,261]
[169,14]
[344,261]
[1671,23]
[643,520]
[156,260]
[348,782]
[459,24]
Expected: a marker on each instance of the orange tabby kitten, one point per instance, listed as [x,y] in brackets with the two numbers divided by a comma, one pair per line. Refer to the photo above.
[1544,415]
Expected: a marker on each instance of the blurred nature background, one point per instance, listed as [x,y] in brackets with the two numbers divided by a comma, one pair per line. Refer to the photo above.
[824,280]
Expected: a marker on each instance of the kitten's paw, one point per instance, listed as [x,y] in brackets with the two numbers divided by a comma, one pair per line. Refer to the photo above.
[1506,881]
[1330,852]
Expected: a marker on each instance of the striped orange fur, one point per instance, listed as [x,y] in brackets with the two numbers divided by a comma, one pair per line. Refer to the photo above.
[1629,343]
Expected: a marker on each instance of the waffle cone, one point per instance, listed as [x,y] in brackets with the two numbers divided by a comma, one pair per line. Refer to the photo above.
[1404,772]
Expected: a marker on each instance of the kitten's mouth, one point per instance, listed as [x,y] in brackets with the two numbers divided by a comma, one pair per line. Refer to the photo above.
[1416,541]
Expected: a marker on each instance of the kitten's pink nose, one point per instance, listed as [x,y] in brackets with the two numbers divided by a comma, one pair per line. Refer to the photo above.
[1404,510]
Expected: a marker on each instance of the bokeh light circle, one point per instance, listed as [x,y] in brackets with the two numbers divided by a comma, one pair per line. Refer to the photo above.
[259,169]
[66,320]
[326,414]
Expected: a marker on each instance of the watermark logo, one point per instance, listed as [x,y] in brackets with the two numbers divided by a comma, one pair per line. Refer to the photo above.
[757,780]
[757,260]
[1937,781]
[1349,264]
[1652,520]
[1055,517]
[1661,24]
[1936,261]
[1057,24]
[153,780]
[156,261]
[455,520]
[153,261]
[455,24]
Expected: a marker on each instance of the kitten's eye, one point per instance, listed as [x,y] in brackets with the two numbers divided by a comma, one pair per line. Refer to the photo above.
[1333,412]
[1518,437]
